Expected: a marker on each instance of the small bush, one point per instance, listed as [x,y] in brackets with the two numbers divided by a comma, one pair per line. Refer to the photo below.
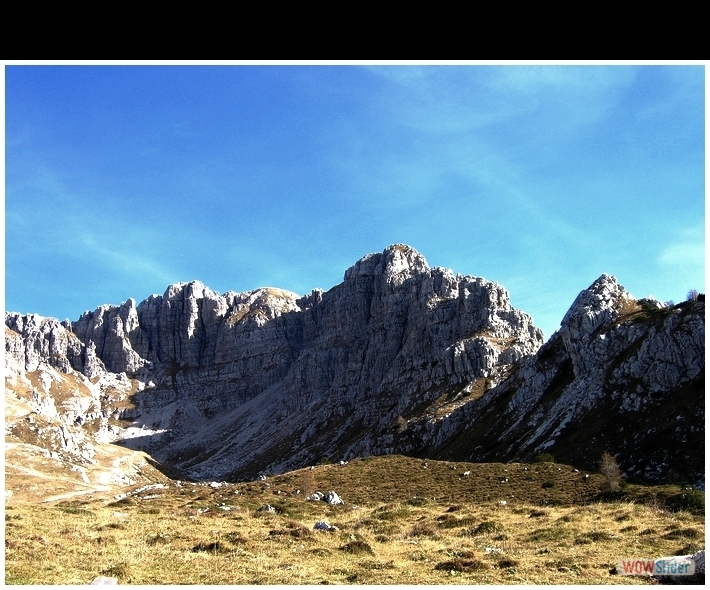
[549,484]
[545,458]
[689,499]
[400,425]
[390,513]
[609,469]
[307,483]
[128,501]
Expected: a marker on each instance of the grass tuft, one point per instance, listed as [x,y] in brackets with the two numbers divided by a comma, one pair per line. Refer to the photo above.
[461,564]
[488,527]
[684,533]
[213,547]
[357,547]
[118,570]
[593,537]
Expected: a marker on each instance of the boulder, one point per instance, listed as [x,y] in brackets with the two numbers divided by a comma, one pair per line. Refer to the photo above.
[332,498]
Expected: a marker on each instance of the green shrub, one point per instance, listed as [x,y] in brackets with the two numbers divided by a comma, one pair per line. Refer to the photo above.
[689,499]
[545,458]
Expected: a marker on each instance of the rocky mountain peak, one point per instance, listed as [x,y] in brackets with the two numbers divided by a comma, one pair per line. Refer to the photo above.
[400,262]
[396,263]
[599,303]
[192,289]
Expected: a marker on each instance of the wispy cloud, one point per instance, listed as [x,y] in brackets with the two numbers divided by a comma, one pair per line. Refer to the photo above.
[688,252]
[127,260]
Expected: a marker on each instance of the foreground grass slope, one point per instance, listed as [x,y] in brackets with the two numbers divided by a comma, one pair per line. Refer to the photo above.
[404,521]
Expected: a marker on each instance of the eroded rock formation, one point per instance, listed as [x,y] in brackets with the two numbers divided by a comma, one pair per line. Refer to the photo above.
[398,358]
[621,375]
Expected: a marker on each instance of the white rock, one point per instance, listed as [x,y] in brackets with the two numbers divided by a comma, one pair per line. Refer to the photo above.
[332,498]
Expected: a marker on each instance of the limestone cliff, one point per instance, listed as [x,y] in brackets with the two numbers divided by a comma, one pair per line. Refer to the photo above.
[398,358]
[621,375]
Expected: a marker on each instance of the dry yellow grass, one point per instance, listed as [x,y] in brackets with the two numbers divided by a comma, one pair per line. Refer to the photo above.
[195,534]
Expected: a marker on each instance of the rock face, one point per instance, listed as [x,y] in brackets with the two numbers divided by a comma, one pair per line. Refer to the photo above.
[398,358]
[621,375]
[237,383]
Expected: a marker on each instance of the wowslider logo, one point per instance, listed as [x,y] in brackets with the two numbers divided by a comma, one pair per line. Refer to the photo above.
[665,566]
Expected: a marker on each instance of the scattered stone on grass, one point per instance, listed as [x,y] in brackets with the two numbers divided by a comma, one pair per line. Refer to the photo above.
[322,525]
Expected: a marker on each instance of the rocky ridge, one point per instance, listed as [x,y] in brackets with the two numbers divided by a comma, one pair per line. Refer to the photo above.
[216,377]
[621,375]
[398,358]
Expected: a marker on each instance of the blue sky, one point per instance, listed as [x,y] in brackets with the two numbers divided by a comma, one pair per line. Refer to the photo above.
[123,179]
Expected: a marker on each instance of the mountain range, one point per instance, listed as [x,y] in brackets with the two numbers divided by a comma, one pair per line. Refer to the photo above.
[399,358]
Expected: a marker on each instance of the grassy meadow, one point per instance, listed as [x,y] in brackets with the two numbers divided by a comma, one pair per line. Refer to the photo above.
[404,521]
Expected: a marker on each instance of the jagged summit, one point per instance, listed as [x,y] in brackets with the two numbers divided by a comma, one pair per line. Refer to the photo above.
[397,260]
[601,302]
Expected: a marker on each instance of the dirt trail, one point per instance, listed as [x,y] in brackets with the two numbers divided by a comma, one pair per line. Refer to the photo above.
[31,476]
